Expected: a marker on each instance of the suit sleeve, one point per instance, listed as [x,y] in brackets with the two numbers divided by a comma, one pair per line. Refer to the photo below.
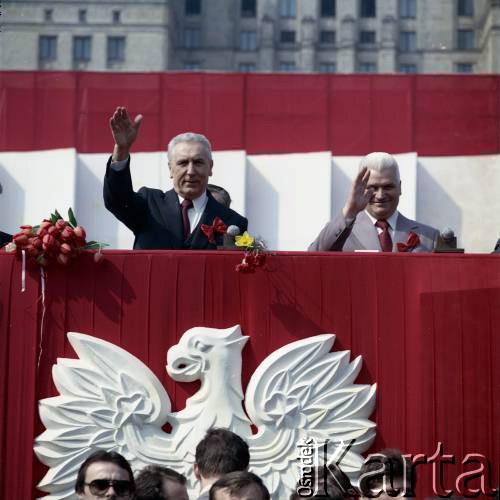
[333,236]
[120,199]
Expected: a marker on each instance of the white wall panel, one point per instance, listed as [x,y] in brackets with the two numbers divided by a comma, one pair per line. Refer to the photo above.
[288,198]
[34,185]
[462,193]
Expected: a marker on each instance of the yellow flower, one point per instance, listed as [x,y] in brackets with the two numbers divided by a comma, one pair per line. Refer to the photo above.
[244,240]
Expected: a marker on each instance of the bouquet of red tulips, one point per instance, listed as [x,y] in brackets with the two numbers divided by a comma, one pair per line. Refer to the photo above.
[54,240]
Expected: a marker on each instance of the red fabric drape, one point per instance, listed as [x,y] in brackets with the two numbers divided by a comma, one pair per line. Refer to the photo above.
[426,326]
[276,113]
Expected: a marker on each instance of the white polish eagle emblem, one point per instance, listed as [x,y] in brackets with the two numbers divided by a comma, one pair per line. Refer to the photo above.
[109,399]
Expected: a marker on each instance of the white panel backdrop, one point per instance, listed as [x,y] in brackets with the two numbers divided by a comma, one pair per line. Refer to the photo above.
[287,198]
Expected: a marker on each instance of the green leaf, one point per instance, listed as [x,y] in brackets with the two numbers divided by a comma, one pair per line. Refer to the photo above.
[57,214]
[95,245]
[53,218]
[72,218]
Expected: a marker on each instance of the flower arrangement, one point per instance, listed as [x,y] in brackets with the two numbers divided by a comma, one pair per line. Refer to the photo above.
[412,242]
[54,240]
[255,253]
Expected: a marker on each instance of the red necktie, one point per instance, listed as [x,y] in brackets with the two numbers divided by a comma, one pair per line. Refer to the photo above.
[384,237]
[185,206]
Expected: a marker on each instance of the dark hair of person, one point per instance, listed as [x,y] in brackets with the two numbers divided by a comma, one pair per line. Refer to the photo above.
[238,481]
[220,452]
[225,197]
[149,482]
[102,456]
[394,466]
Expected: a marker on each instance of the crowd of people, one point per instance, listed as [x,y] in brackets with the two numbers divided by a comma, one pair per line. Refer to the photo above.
[221,468]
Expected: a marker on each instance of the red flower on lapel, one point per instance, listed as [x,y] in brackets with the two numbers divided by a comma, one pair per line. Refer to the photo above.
[412,242]
[217,226]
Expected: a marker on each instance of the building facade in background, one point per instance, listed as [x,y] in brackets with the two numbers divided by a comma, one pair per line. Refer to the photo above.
[343,36]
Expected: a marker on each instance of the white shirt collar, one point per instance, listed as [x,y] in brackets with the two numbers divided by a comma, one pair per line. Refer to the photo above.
[392,220]
[199,203]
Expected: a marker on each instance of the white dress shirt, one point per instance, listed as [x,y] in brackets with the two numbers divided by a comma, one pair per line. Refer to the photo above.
[196,211]
[392,220]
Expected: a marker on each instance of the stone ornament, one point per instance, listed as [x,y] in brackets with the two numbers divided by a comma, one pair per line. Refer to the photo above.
[111,400]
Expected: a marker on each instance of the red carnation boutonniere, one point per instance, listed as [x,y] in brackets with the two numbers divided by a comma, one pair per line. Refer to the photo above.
[412,242]
[217,226]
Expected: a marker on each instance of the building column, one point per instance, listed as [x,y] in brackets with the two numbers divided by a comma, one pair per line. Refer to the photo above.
[266,52]
[346,54]
[387,52]
[307,45]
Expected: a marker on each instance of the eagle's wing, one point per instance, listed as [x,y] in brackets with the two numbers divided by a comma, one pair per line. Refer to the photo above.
[304,391]
[108,400]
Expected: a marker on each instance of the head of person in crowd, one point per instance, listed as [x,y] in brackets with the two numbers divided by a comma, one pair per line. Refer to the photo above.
[387,472]
[384,184]
[240,485]
[105,474]
[219,452]
[190,163]
[220,195]
[160,483]
[330,483]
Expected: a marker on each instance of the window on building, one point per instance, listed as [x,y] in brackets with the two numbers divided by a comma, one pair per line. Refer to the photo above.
[248,8]
[327,67]
[465,39]
[288,8]
[287,66]
[327,36]
[465,8]
[368,8]
[408,9]
[407,68]
[407,41]
[192,38]
[328,8]
[287,37]
[367,37]
[116,17]
[367,67]
[464,68]
[47,15]
[116,49]
[192,66]
[192,7]
[81,48]
[82,16]
[248,40]
[47,48]
[246,67]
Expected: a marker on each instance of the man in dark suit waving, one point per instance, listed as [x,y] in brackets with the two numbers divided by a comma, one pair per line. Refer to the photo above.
[182,218]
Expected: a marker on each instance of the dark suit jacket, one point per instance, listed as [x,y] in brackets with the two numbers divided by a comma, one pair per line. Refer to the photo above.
[4,238]
[362,235]
[155,217]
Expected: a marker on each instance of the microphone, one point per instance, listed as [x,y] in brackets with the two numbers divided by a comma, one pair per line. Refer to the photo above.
[229,238]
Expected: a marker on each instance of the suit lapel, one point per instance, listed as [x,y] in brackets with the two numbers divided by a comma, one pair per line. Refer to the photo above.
[171,214]
[366,233]
[403,227]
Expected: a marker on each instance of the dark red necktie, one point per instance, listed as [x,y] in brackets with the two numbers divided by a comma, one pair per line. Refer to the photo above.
[384,237]
[185,206]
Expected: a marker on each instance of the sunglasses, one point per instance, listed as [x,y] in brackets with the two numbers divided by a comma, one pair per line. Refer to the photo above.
[101,486]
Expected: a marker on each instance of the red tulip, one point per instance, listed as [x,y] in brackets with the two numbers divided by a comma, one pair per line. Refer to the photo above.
[27,230]
[80,233]
[67,233]
[63,259]
[66,249]
[36,241]
[48,242]
[60,224]
[20,239]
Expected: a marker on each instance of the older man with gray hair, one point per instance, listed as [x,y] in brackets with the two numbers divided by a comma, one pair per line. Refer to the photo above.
[185,218]
[370,219]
